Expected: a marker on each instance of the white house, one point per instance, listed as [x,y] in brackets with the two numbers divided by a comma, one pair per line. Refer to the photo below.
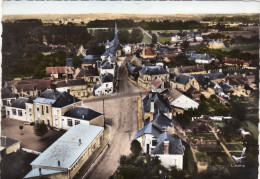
[17,109]
[128,49]
[106,85]
[198,37]
[202,58]
[107,67]
[175,38]
[81,115]
[158,143]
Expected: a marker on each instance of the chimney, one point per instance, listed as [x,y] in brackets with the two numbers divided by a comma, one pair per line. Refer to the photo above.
[174,79]
[66,79]
[220,70]
[166,147]
[58,163]
[152,106]
[80,142]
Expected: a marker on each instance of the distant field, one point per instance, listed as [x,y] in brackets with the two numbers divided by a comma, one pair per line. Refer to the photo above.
[243,47]
[173,31]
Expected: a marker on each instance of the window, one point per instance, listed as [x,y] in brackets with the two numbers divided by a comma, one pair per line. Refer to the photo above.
[42,110]
[100,139]
[47,109]
[14,111]
[30,110]
[69,122]
[20,113]
[83,93]
[77,122]
[78,93]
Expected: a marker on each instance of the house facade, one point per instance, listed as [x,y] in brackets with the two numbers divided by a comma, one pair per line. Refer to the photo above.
[16,109]
[150,73]
[184,82]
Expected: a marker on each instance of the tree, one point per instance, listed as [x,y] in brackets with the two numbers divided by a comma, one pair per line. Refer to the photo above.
[77,62]
[135,147]
[21,128]
[40,129]
[136,36]
[154,38]
[185,45]
[123,36]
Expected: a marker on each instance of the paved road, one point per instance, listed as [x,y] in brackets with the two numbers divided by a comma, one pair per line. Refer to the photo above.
[121,113]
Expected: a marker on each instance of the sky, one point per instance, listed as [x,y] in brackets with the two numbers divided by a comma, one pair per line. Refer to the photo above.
[129,7]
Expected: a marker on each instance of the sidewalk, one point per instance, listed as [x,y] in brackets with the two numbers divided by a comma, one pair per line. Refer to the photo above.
[139,113]
[94,156]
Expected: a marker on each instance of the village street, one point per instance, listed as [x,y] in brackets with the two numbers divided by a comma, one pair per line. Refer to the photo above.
[120,111]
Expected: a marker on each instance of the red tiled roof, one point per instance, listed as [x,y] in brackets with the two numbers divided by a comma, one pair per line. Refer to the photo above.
[149,51]
[234,61]
[156,83]
[55,70]
[172,57]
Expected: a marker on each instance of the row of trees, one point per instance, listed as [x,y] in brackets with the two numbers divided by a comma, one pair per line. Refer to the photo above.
[31,63]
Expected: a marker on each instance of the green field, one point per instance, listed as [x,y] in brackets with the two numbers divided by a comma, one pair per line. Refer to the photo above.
[216,158]
[146,39]
[164,39]
[242,47]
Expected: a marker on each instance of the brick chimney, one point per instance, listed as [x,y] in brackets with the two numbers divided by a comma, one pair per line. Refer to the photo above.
[166,147]
[151,110]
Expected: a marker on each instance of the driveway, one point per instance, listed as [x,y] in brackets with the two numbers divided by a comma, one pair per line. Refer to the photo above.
[120,112]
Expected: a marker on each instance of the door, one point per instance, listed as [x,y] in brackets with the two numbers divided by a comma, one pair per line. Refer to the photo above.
[147,148]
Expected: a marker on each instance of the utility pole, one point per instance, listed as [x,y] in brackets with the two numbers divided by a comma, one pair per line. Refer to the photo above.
[104,110]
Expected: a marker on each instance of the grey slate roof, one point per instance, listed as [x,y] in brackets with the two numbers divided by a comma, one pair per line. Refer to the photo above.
[183,78]
[106,65]
[107,77]
[225,86]
[82,113]
[20,102]
[61,98]
[87,72]
[175,144]
[213,85]
[161,121]
[90,59]
[69,62]
[6,93]
[205,78]
[149,128]
[160,103]
[153,70]
[200,56]
[70,83]
[133,69]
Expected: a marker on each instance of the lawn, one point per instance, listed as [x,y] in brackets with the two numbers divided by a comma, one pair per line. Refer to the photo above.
[164,39]
[216,158]
[146,39]
[204,136]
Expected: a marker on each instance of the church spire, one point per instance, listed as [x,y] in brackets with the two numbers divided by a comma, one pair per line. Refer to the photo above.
[115,37]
